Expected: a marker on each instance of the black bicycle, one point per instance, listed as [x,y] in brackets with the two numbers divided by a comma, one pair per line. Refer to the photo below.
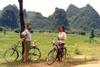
[52,55]
[15,52]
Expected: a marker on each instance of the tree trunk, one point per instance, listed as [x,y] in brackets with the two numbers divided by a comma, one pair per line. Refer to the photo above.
[22,24]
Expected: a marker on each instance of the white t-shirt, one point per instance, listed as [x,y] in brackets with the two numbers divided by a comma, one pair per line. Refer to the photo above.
[27,34]
[61,37]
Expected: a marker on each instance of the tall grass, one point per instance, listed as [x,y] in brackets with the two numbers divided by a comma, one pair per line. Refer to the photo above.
[76,44]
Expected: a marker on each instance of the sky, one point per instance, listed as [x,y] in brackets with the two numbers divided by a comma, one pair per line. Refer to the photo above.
[47,7]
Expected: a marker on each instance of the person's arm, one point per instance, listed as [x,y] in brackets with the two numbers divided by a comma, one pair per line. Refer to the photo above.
[65,36]
[23,35]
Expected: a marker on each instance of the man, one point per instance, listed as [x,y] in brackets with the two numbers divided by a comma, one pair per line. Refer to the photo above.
[26,42]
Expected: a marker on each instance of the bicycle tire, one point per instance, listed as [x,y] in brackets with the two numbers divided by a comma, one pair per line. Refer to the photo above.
[51,57]
[65,52]
[34,54]
[11,55]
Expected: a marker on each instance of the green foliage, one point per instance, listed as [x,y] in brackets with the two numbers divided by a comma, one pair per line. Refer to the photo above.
[92,34]
[59,16]
[77,20]
[1,29]
[71,11]
[83,19]
[75,44]
[17,30]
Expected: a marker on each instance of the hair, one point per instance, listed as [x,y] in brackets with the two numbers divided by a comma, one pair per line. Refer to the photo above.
[62,27]
[29,24]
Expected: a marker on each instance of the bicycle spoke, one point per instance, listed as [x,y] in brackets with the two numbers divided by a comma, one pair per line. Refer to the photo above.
[51,57]
[10,55]
[34,54]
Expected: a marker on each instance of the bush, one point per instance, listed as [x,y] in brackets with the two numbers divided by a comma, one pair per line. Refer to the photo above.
[77,51]
[1,29]
[82,33]
[17,30]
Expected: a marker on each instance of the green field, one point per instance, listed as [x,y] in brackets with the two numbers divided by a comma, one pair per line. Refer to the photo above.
[76,44]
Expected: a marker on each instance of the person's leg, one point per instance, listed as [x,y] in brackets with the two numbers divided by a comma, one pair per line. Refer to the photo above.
[58,52]
[62,50]
[61,47]
[26,52]
[24,56]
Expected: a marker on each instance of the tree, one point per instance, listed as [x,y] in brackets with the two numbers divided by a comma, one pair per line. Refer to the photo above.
[21,15]
[92,34]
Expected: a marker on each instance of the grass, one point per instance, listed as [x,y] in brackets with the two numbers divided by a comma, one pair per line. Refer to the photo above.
[76,44]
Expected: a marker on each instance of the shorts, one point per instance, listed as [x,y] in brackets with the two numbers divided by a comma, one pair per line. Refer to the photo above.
[61,45]
[60,48]
[26,45]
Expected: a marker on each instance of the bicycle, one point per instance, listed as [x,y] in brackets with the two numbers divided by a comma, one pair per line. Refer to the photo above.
[14,52]
[52,55]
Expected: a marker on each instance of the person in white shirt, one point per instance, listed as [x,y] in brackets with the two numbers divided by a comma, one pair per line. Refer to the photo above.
[26,42]
[61,42]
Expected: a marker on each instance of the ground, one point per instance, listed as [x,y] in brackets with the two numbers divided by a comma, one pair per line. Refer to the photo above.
[77,61]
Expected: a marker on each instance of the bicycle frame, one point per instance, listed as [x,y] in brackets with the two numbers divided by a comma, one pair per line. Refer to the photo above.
[15,47]
[56,47]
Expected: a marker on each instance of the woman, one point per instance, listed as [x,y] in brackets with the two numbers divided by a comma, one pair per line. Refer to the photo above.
[61,42]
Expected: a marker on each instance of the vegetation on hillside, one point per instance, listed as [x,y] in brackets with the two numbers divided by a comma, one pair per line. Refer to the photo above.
[74,19]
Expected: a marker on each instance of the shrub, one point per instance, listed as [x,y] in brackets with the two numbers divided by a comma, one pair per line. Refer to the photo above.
[1,29]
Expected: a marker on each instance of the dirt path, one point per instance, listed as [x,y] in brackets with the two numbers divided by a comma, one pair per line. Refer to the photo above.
[43,64]
[77,61]
[89,64]
[95,63]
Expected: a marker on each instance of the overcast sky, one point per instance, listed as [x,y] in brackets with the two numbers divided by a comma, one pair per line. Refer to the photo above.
[47,7]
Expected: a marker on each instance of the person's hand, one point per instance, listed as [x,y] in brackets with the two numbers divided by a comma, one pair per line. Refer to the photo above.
[53,41]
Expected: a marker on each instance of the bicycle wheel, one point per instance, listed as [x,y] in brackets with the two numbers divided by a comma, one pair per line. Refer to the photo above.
[64,53]
[34,54]
[51,57]
[11,55]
